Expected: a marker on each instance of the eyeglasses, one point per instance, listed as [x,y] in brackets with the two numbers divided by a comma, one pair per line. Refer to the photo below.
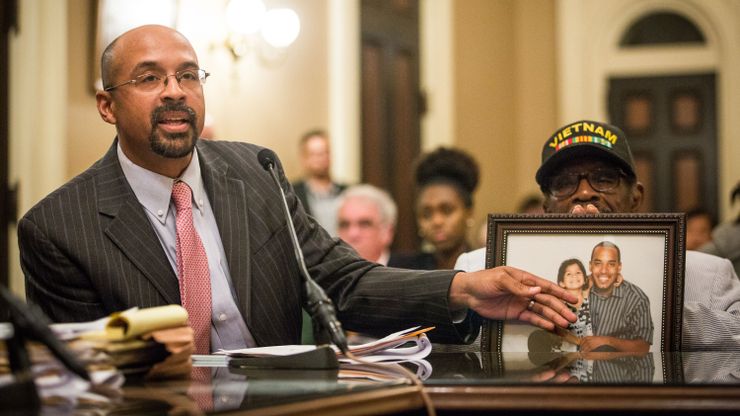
[601,180]
[150,81]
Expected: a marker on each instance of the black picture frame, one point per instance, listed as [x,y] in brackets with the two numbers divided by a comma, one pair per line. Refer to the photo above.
[652,243]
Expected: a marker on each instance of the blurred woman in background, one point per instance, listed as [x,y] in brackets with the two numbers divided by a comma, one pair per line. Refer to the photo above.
[445,182]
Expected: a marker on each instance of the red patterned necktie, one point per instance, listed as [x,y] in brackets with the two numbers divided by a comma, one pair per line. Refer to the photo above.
[192,270]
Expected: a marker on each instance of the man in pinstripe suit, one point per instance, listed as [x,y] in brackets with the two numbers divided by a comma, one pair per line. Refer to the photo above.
[105,241]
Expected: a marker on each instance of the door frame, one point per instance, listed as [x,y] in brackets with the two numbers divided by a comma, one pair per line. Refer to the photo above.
[589,54]
[436,77]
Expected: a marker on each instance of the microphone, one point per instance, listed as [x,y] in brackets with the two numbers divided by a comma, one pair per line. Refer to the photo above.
[30,322]
[319,305]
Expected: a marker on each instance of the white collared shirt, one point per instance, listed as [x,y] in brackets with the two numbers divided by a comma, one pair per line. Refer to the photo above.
[154,192]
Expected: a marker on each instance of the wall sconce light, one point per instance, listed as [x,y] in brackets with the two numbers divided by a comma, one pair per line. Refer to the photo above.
[249,22]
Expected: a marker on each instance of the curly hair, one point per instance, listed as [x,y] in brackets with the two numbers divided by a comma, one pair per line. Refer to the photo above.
[449,166]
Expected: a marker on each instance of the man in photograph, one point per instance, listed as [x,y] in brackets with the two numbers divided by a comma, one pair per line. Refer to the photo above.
[620,311]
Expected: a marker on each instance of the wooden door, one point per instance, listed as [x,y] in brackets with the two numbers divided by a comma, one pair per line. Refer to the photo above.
[671,125]
[390,105]
[7,200]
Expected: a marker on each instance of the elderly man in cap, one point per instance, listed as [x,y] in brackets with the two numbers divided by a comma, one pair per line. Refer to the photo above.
[587,168]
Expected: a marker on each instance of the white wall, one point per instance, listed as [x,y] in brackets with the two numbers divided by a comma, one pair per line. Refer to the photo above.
[589,55]
[37,120]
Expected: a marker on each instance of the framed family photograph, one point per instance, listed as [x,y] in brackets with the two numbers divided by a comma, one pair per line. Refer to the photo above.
[626,270]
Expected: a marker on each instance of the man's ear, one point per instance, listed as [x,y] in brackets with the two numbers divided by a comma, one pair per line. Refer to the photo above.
[104,102]
[638,194]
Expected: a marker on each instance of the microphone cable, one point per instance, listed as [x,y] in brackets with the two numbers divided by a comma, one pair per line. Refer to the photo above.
[404,373]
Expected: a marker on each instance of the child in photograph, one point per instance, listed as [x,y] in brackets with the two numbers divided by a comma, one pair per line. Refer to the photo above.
[573,278]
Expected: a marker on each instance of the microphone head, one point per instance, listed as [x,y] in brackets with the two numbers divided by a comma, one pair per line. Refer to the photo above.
[266,157]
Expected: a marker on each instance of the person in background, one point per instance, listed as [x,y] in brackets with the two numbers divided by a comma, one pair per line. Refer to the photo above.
[725,241]
[318,193]
[531,204]
[699,225]
[445,181]
[366,220]
[587,168]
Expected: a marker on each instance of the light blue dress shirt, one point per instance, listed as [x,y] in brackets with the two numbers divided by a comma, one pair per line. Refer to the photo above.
[154,192]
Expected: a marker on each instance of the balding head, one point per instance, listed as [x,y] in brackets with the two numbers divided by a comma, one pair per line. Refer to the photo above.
[110,59]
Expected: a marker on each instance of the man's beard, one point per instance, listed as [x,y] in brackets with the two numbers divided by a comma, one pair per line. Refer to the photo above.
[173,145]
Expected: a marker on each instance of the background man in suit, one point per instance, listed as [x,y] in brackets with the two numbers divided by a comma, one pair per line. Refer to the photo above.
[366,220]
[587,168]
[318,193]
[166,218]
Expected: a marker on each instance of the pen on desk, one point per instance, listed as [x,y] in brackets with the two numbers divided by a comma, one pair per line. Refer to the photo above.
[419,331]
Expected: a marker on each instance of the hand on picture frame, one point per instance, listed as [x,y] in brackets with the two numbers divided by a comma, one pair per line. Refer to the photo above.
[508,293]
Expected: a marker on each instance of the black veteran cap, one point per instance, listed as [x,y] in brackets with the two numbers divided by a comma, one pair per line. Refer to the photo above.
[584,138]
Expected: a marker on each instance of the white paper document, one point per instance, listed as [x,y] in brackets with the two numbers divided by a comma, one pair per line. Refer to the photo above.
[388,349]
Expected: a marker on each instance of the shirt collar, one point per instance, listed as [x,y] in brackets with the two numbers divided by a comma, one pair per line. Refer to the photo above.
[154,191]
[384,257]
[617,292]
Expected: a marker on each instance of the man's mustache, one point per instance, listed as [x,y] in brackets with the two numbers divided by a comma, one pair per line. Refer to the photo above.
[158,112]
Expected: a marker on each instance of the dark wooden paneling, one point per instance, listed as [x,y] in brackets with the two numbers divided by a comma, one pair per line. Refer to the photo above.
[7,23]
[682,122]
[390,105]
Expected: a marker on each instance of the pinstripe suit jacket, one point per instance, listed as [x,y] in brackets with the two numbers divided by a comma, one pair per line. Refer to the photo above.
[88,249]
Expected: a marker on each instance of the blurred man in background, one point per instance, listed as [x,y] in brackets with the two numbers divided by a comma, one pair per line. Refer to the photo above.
[725,239]
[318,193]
[699,225]
[366,221]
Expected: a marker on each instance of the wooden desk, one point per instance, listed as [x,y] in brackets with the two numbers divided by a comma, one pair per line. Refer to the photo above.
[569,399]
[696,383]
[689,383]
[397,399]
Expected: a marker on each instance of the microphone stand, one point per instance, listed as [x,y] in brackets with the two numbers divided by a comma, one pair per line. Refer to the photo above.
[29,323]
[21,393]
[319,305]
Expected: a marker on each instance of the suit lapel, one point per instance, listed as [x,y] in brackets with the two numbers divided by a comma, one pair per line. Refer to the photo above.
[228,198]
[130,229]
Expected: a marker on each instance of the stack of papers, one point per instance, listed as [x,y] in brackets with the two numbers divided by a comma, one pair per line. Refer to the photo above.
[61,390]
[409,346]
[155,342]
